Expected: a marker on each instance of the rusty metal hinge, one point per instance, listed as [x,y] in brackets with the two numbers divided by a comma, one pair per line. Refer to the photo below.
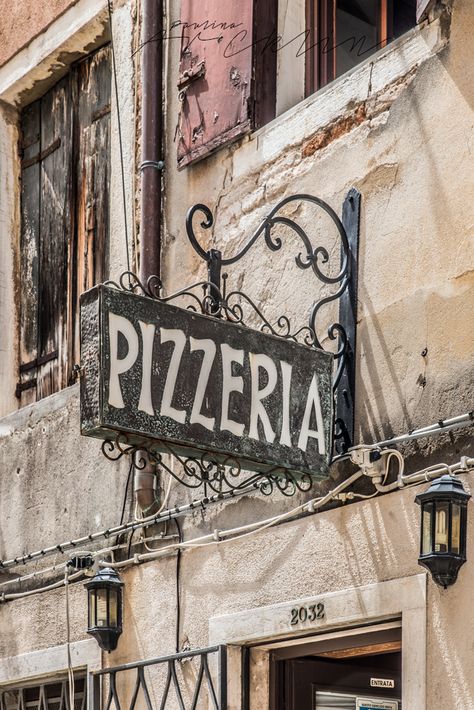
[22,386]
[42,155]
[38,361]
[189,76]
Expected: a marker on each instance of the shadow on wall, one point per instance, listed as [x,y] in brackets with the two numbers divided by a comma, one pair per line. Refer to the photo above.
[437,216]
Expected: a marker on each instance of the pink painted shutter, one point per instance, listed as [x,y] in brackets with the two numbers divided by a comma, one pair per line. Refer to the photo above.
[215,75]
[422,9]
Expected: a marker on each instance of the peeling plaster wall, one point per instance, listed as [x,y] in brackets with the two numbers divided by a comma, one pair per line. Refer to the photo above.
[399,128]
[21,21]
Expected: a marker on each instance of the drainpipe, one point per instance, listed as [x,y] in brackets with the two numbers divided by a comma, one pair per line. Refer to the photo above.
[152,137]
[145,481]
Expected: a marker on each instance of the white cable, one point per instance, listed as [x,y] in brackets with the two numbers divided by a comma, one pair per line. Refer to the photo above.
[70,672]
[241,532]
[31,592]
[466,465]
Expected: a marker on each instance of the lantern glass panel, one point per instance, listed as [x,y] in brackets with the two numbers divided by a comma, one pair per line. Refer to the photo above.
[426,547]
[113,608]
[441,527]
[92,608]
[101,607]
[456,529]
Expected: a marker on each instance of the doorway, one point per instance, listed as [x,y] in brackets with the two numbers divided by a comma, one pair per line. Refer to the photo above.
[360,671]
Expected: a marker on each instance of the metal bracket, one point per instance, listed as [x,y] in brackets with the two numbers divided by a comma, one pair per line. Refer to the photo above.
[213,298]
[344,330]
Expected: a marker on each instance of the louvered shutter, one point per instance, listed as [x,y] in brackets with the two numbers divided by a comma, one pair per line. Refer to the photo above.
[215,75]
[422,8]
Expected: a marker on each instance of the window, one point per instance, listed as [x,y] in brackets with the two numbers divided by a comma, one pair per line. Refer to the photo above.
[243,63]
[53,695]
[64,150]
[342,33]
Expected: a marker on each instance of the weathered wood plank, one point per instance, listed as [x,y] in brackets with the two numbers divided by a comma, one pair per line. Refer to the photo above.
[29,243]
[92,184]
[56,230]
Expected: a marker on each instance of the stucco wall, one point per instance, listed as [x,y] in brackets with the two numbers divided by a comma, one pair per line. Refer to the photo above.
[406,144]
[22,21]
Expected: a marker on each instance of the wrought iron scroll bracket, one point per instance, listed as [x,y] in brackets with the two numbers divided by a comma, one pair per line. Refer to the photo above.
[344,331]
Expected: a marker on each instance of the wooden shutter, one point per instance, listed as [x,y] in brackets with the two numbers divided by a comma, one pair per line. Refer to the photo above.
[65,222]
[29,249]
[423,7]
[215,75]
[46,231]
[56,228]
[87,258]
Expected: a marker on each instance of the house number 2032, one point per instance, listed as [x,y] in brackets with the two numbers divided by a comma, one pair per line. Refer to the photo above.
[313,612]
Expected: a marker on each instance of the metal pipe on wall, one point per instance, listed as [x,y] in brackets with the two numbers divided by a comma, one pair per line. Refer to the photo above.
[152,137]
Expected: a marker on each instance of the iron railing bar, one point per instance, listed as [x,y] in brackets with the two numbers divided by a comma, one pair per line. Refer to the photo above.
[210,684]
[197,689]
[135,691]
[167,688]
[94,692]
[141,673]
[113,688]
[222,675]
[176,686]
[156,661]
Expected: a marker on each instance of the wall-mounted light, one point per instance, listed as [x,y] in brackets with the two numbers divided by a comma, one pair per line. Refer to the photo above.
[105,608]
[443,529]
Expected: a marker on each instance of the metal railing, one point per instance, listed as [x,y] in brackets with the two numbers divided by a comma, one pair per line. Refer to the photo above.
[188,687]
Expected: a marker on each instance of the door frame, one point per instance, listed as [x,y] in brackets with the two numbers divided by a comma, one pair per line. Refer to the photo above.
[398,599]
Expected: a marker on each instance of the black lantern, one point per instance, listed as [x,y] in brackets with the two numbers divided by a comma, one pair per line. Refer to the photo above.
[443,528]
[105,608]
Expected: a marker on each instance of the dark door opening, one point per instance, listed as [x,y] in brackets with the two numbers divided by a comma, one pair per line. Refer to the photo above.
[367,678]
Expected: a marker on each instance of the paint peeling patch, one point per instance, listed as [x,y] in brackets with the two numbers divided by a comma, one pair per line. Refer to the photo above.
[335,130]
[235,77]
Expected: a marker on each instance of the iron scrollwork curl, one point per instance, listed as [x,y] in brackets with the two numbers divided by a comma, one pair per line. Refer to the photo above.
[313,258]
[216,474]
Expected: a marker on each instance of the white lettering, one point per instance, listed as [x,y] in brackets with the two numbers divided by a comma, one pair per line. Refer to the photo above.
[209,349]
[179,339]
[230,383]
[119,324]
[148,335]
[312,402]
[286,372]
[257,410]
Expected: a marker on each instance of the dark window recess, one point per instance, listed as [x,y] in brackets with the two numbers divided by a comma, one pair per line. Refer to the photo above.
[227,75]
[65,149]
[47,696]
[343,33]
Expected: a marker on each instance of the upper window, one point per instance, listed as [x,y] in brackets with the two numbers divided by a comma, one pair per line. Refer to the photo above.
[342,33]
[243,63]
[65,149]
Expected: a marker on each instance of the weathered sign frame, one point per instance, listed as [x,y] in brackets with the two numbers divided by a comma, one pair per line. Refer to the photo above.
[213,299]
[176,368]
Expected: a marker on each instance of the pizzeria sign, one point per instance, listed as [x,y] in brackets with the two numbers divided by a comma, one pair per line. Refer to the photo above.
[162,375]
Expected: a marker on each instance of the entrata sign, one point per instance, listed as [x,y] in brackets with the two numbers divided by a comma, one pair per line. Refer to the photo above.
[163,375]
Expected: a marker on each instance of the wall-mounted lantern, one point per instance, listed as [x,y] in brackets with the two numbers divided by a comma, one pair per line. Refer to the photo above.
[105,608]
[443,529]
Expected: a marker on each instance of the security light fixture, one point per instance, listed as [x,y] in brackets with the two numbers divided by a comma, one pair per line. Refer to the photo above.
[105,608]
[443,528]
